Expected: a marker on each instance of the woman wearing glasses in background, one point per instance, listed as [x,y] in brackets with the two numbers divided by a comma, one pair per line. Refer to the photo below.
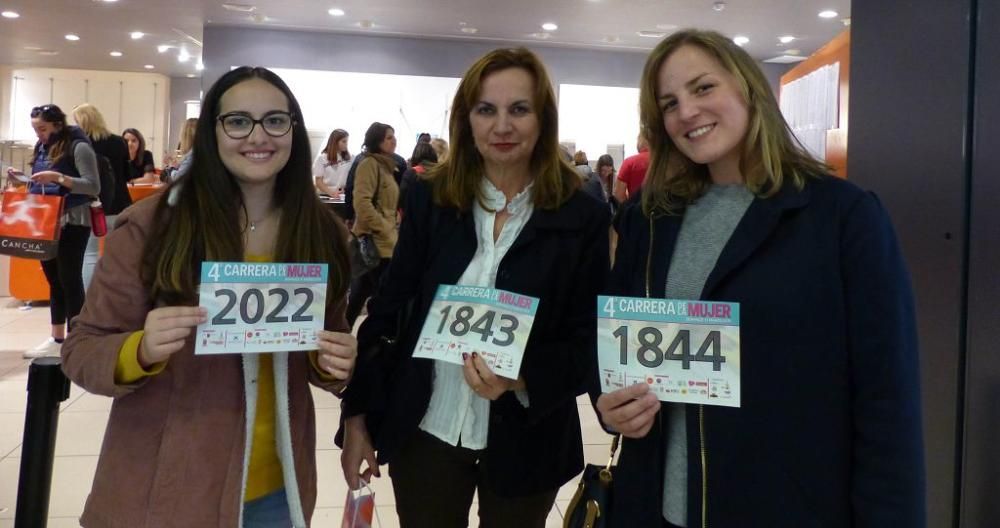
[217,440]
[63,163]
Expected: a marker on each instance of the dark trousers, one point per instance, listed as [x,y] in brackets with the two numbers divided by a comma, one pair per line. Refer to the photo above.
[434,483]
[362,288]
[65,274]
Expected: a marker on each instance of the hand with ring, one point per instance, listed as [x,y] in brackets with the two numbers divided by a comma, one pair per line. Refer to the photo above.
[483,382]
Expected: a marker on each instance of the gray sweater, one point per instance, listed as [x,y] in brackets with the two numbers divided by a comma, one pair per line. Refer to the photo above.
[708,224]
[89,182]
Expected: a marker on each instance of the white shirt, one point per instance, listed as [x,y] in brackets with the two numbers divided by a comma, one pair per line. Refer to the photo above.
[334,174]
[455,413]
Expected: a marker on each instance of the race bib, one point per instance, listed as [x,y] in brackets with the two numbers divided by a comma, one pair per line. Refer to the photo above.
[258,307]
[466,319]
[686,351]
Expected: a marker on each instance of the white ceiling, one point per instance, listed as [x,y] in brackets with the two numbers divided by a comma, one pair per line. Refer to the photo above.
[604,24]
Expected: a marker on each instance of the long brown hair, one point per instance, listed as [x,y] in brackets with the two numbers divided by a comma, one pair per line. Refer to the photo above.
[456,180]
[770,153]
[332,150]
[204,225]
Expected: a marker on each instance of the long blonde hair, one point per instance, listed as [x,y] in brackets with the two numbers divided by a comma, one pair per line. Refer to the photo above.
[187,135]
[90,120]
[770,153]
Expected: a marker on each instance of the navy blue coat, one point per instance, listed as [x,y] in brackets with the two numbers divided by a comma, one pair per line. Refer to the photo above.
[561,257]
[829,432]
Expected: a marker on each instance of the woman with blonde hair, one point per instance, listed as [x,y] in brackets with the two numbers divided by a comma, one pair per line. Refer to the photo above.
[502,211]
[111,146]
[440,147]
[827,430]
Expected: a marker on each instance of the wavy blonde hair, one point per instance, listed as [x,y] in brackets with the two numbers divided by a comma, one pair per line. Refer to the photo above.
[89,118]
[770,153]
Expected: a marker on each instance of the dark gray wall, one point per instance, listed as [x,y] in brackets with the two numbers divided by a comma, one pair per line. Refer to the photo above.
[225,47]
[981,464]
[909,126]
[181,89]
[773,72]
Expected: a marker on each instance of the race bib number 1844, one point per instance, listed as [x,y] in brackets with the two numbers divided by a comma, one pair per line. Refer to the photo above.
[686,351]
[258,307]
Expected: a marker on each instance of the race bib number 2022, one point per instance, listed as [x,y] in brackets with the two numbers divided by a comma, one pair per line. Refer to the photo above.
[256,307]
[686,351]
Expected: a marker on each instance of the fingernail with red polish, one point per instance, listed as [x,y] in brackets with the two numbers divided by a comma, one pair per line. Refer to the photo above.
[475,355]
[465,356]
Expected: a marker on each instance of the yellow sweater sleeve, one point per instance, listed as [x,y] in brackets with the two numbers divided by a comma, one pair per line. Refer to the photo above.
[128,370]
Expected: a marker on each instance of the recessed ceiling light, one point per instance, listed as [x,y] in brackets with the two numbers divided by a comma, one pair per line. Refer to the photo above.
[48,53]
[786,39]
[828,14]
[199,65]
[149,66]
[109,1]
[32,48]
[650,34]
[72,37]
[183,55]
[10,14]
[469,30]
[718,6]
[610,39]
[191,76]
[549,26]
[740,40]
[162,48]
[115,54]
[336,12]
[241,8]
[366,24]
[136,35]
[541,35]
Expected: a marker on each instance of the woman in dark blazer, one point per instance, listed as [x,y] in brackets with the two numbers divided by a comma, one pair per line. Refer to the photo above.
[828,429]
[503,211]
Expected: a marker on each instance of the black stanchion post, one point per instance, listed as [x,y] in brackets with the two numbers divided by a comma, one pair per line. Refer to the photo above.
[47,387]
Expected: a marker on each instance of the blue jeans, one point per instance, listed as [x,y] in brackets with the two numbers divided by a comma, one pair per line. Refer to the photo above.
[269,511]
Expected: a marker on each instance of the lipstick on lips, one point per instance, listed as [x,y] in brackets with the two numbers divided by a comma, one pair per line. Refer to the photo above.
[504,147]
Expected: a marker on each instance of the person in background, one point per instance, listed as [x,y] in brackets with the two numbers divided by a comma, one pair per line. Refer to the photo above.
[605,173]
[64,163]
[112,147]
[582,164]
[332,164]
[423,137]
[503,211]
[141,166]
[440,148]
[827,431]
[632,172]
[376,196]
[182,159]
[224,439]
[421,161]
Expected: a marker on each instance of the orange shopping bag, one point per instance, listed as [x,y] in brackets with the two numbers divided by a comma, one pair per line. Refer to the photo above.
[29,225]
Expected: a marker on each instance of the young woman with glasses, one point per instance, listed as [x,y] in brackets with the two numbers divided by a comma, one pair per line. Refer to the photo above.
[216,440]
[64,164]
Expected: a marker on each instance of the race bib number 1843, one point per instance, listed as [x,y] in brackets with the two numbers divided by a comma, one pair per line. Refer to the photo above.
[260,307]
[686,351]
[466,319]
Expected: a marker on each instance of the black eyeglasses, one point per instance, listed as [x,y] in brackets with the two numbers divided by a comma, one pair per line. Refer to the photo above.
[43,110]
[239,125]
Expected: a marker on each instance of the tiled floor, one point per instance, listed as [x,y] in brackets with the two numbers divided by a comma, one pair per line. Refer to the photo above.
[83,418]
